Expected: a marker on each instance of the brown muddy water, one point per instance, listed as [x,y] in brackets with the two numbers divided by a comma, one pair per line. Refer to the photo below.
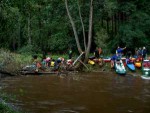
[81,93]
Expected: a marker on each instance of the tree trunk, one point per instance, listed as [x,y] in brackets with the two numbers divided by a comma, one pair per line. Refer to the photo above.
[83,29]
[113,25]
[118,23]
[14,44]
[73,27]
[90,31]
[29,30]
[40,28]
[107,25]
[102,22]
[19,33]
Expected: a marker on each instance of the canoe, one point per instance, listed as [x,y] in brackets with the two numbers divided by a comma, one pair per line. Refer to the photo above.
[138,64]
[130,65]
[119,67]
[145,77]
[107,59]
[36,73]
[146,69]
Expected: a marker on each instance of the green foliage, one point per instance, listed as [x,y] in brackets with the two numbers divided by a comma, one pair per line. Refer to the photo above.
[4,107]
[135,31]
[28,49]
[47,25]
[101,39]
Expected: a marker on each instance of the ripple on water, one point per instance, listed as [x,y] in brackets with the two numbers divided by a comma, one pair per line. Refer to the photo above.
[70,110]
[51,103]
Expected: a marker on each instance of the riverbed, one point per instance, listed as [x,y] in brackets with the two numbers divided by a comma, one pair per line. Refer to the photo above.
[98,92]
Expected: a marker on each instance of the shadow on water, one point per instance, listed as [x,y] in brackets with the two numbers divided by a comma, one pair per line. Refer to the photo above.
[97,92]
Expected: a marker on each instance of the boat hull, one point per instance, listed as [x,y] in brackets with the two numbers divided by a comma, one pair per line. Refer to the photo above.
[146,69]
[119,68]
[130,65]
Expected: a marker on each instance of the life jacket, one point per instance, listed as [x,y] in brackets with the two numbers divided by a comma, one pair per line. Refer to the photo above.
[52,63]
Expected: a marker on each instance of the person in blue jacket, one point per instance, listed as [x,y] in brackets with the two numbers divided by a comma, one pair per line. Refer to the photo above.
[144,53]
[113,58]
[119,51]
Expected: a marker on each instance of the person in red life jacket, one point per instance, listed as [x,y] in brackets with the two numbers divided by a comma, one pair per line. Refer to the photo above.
[36,63]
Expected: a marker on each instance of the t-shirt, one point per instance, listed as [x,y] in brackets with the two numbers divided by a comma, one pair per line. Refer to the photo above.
[119,50]
[114,57]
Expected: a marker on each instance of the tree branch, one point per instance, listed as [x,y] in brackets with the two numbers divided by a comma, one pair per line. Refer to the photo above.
[73,27]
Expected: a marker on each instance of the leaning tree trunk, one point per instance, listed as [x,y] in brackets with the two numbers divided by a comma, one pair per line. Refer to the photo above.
[73,27]
[90,31]
[83,29]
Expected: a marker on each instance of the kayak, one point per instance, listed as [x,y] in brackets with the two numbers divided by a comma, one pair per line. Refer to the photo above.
[130,64]
[146,69]
[91,62]
[119,67]
[138,62]
[107,59]
[37,73]
[145,77]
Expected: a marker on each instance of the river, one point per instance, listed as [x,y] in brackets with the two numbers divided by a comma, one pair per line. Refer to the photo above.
[101,92]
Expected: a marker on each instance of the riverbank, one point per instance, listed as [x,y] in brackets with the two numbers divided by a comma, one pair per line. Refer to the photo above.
[6,107]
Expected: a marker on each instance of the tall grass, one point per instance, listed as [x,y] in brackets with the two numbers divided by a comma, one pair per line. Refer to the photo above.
[4,107]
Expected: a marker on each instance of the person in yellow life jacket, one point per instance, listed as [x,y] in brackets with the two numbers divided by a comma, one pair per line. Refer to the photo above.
[52,62]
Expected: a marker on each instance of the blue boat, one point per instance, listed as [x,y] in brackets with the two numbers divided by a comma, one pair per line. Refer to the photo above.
[130,64]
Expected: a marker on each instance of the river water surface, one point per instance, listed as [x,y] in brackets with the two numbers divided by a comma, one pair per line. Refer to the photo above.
[81,93]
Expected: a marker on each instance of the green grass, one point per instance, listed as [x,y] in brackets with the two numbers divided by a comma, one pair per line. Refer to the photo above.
[4,107]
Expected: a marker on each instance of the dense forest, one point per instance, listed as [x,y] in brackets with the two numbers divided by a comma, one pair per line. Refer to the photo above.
[44,25]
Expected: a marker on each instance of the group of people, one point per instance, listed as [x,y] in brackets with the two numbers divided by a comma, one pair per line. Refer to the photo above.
[47,62]
[140,53]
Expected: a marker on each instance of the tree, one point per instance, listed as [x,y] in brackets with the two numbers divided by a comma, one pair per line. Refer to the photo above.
[87,50]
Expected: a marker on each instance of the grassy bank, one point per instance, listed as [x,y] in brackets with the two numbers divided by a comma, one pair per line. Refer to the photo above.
[4,107]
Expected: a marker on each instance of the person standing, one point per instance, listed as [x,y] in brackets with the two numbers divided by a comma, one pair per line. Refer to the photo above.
[113,59]
[140,53]
[70,53]
[119,51]
[96,53]
[144,52]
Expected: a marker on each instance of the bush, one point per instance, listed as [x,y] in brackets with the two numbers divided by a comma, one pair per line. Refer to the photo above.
[28,49]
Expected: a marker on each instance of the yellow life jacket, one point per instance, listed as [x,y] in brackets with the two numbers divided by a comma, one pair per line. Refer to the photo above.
[91,62]
[52,63]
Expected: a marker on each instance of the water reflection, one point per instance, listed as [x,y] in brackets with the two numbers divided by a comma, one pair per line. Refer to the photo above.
[82,93]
